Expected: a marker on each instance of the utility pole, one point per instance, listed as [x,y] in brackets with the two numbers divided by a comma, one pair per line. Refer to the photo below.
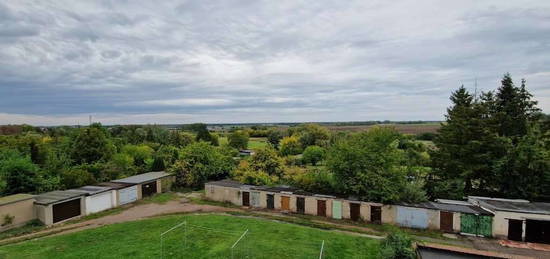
[475,89]
[90,119]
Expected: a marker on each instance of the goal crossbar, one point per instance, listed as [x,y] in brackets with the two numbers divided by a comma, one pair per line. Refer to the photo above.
[174,227]
[233,246]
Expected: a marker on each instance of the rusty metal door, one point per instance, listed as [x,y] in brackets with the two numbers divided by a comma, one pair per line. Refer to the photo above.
[246,199]
[355,211]
[285,203]
[446,221]
[376,214]
[301,205]
[321,208]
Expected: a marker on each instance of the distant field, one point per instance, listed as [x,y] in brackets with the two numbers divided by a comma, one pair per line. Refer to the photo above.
[253,143]
[212,238]
[402,128]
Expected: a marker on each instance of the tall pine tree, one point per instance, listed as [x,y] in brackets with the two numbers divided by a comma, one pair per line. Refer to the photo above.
[459,161]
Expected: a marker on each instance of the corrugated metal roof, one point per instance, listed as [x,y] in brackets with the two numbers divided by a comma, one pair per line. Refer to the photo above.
[91,190]
[142,178]
[15,198]
[515,206]
[470,209]
[56,196]
[424,205]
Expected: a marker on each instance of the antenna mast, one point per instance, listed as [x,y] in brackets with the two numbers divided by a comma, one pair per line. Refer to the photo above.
[475,89]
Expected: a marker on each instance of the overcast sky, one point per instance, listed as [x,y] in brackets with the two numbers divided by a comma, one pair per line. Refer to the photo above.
[261,61]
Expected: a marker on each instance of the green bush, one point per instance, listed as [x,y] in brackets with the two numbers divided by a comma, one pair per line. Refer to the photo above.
[397,245]
[8,220]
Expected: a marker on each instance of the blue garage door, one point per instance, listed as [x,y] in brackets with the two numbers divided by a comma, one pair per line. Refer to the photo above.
[412,217]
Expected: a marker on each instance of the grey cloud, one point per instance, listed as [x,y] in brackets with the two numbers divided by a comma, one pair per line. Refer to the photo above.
[262,60]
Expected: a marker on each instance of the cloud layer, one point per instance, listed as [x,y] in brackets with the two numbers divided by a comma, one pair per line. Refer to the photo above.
[261,61]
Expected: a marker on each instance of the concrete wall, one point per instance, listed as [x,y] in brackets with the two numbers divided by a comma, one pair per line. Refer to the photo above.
[139,194]
[22,211]
[166,183]
[159,186]
[277,201]
[456,222]
[346,210]
[44,213]
[223,194]
[388,214]
[311,205]
[500,221]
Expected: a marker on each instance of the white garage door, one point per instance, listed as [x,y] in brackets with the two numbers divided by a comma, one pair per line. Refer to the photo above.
[127,195]
[99,202]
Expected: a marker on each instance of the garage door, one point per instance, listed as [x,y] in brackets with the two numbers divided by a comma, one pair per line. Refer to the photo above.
[148,189]
[127,195]
[412,217]
[255,199]
[99,202]
[337,209]
[537,231]
[66,210]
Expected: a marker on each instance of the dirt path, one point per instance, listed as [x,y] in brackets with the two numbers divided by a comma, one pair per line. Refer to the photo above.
[136,212]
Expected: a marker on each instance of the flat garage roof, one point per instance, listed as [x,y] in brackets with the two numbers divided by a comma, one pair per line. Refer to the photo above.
[91,190]
[142,178]
[56,196]
[14,198]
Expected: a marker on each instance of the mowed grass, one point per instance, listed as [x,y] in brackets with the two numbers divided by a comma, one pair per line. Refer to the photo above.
[256,143]
[253,143]
[140,239]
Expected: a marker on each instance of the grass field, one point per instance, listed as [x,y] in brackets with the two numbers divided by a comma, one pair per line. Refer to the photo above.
[140,239]
[253,143]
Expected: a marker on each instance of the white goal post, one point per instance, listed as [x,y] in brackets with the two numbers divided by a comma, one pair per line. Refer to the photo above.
[184,223]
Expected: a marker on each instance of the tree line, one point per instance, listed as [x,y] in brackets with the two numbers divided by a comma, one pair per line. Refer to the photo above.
[495,143]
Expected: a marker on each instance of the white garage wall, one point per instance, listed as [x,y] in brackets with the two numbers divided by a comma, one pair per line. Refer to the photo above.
[98,202]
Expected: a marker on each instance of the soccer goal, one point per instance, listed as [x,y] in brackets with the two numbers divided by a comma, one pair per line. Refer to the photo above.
[185,240]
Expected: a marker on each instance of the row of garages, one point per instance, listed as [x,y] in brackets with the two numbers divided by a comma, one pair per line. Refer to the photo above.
[479,216]
[58,206]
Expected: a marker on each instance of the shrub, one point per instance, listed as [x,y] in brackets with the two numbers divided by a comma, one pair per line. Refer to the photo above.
[397,245]
[314,154]
[290,146]
[8,220]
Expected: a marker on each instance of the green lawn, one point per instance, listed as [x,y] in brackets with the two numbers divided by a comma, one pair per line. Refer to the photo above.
[253,143]
[140,239]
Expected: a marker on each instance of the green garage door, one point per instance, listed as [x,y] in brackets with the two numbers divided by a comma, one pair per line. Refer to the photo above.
[337,209]
[476,224]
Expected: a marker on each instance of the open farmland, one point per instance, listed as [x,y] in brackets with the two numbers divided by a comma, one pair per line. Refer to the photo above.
[217,233]
[402,128]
